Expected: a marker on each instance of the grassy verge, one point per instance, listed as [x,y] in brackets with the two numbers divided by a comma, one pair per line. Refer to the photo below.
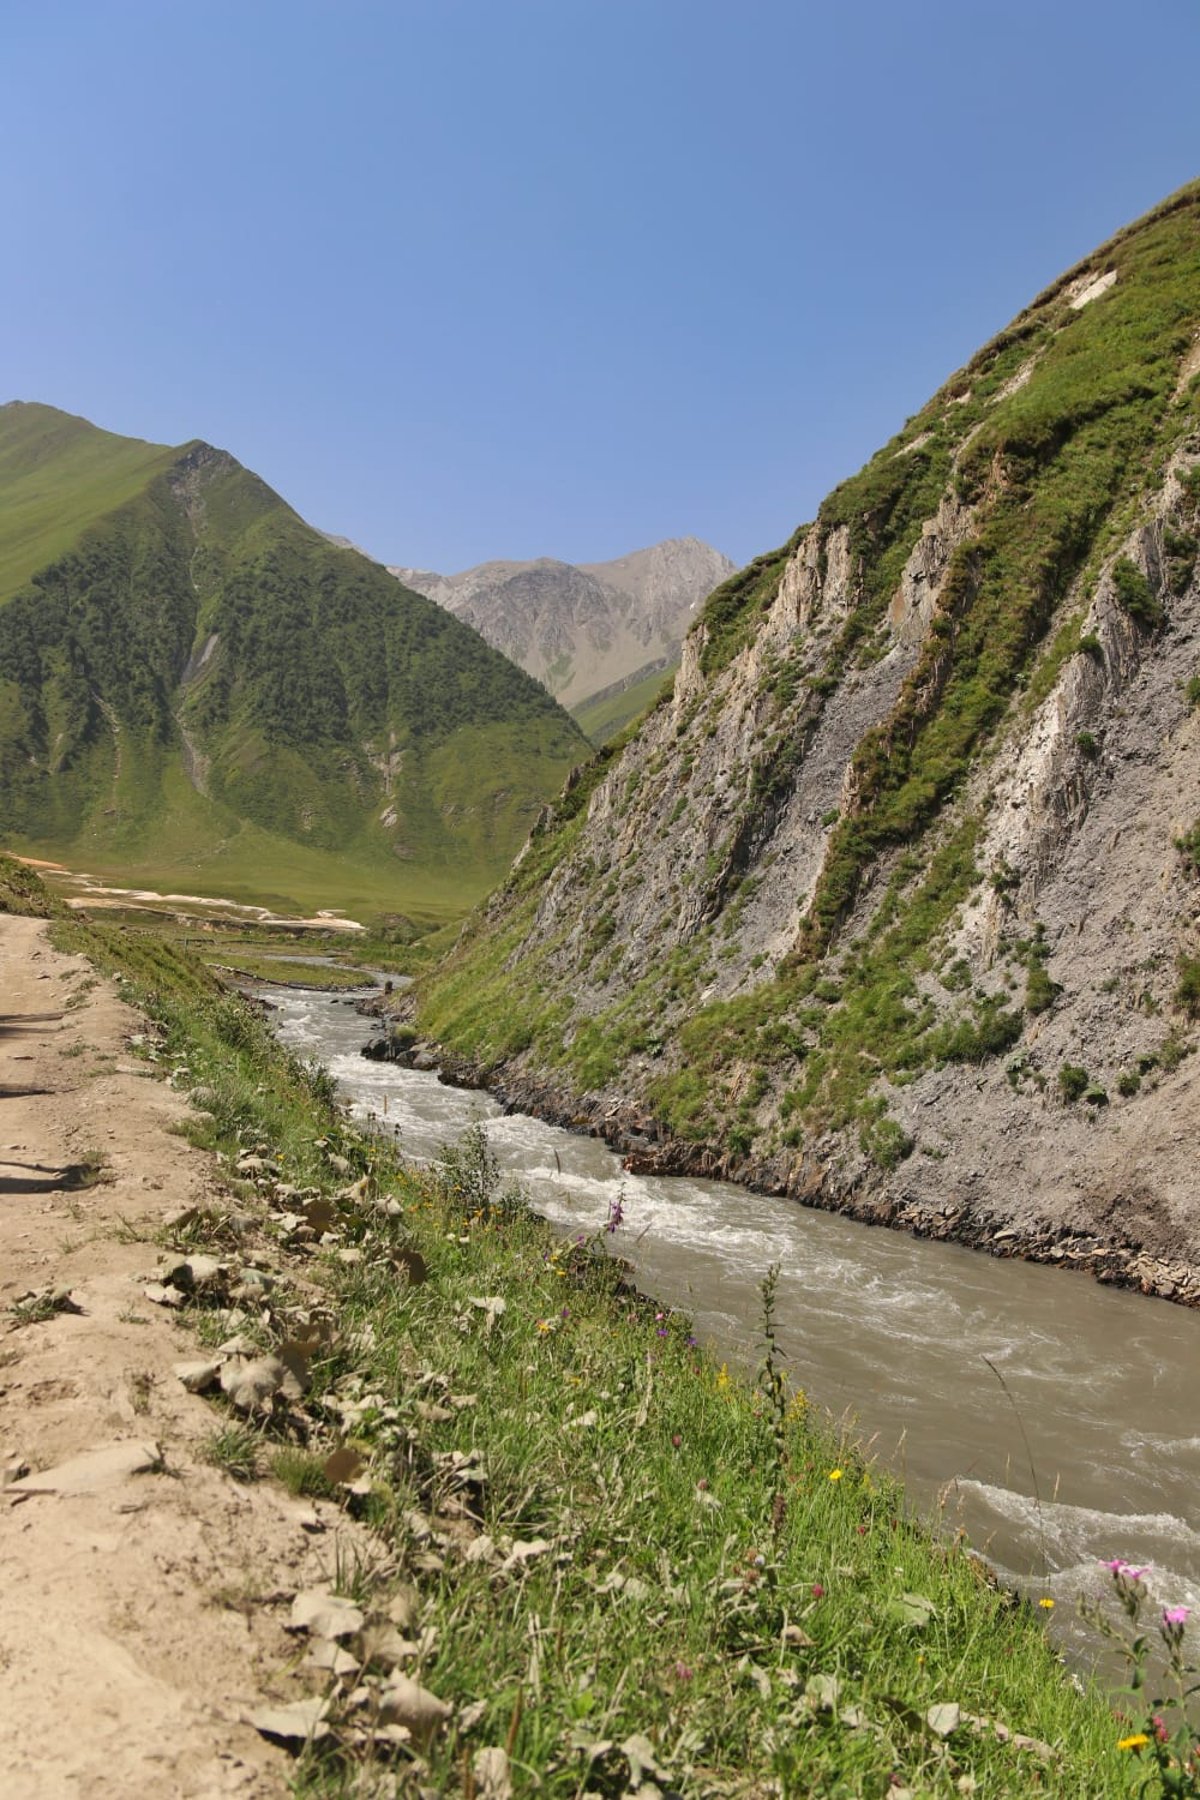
[282,969]
[629,1570]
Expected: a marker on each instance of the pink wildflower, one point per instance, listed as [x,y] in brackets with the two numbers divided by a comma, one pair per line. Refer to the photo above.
[1176,1615]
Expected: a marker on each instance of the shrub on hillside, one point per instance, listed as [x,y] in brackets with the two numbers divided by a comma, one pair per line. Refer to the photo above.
[1073,1082]
[1136,595]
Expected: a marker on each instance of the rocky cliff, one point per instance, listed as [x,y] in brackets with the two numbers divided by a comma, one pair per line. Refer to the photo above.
[894,903]
[583,629]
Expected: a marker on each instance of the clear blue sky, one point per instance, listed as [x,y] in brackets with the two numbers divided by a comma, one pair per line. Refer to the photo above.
[471,278]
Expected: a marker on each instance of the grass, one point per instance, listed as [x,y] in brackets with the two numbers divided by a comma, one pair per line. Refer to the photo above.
[667,1561]
[94,472]
[1057,472]
[236,1451]
[281,969]
[200,692]
[606,715]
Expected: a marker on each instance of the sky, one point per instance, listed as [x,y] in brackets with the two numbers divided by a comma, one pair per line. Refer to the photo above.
[467,279]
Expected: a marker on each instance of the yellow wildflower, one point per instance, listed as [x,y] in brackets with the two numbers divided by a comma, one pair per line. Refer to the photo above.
[1138,1741]
[723,1377]
[836,1474]
[1046,1603]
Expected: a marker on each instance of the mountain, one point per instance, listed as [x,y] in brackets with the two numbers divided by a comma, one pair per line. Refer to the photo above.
[590,631]
[893,902]
[197,688]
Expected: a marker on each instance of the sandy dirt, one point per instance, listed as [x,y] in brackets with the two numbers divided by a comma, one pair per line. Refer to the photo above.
[142,1613]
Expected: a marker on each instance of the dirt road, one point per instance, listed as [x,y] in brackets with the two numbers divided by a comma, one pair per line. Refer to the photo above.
[142,1612]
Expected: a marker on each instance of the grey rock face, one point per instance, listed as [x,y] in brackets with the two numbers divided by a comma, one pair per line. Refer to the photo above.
[582,628]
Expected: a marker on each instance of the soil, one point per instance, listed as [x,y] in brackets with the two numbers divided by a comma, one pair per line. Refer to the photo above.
[143,1612]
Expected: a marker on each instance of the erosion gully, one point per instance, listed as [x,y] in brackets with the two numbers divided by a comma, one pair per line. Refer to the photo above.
[1089,1449]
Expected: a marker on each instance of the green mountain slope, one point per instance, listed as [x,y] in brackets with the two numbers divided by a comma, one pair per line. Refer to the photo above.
[900,848]
[199,690]
[607,713]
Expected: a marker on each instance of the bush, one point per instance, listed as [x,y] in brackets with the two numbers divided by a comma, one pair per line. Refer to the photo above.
[1073,1082]
[1090,645]
[1128,1083]
[1136,595]
[1040,991]
[1187,994]
[1087,746]
[993,1030]
[1189,845]
[1095,1095]
[886,1143]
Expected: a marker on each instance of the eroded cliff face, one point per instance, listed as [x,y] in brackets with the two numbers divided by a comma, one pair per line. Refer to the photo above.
[894,902]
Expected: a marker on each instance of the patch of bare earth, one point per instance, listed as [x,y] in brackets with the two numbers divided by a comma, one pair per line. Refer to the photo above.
[145,1591]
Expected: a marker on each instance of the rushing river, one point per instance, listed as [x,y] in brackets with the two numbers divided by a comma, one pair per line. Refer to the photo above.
[1093,1451]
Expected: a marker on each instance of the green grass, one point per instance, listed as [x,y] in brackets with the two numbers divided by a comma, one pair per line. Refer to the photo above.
[712,1563]
[1058,471]
[280,969]
[607,715]
[347,739]
[58,475]
[259,868]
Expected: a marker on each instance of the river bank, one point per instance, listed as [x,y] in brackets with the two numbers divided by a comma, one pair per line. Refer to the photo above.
[618,1566]
[647,1147]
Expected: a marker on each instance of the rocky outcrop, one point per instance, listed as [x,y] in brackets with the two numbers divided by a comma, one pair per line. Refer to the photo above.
[900,885]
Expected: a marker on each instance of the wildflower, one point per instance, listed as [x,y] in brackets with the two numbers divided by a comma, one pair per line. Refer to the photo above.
[616,1212]
[1137,1741]
[836,1474]
[676,1440]
[1176,1615]
[723,1377]
[1046,1603]
[683,1672]
[1123,1571]
[544,1325]
[818,1592]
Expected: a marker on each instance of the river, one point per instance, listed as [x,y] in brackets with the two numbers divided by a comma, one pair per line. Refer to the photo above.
[1091,1447]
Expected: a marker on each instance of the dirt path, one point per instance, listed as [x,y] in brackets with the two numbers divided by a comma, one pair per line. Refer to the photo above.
[142,1612]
